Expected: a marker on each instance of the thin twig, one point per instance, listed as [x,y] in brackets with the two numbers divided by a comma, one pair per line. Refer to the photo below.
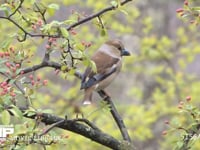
[84,20]
[42,13]
[51,127]
[90,124]
[19,88]
[101,22]
[15,144]
[20,5]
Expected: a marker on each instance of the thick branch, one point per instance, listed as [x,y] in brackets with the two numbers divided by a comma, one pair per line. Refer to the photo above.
[86,131]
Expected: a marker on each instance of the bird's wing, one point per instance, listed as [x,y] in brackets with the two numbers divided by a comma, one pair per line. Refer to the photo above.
[105,64]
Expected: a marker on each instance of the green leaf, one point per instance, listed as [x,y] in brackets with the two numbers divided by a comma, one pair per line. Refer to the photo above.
[124,11]
[16,112]
[51,8]
[3,69]
[50,111]
[189,107]
[64,32]
[79,46]
[180,144]
[104,106]
[185,15]
[46,28]
[1,108]
[114,3]
[103,32]
[5,44]
[72,71]
[30,112]
[64,67]
[93,66]
[54,6]
[55,24]
[119,2]
[69,21]
[86,62]
[5,117]
[5,9]
[12,81]
[7,100]
[30,92]
[2,61]
[196,8]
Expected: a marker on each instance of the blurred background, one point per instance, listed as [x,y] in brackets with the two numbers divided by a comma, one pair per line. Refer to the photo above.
[163,70]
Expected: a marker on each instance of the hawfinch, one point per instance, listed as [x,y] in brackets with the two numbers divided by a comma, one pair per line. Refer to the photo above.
[108,60]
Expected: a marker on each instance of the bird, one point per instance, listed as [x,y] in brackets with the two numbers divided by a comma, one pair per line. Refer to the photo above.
[108,61]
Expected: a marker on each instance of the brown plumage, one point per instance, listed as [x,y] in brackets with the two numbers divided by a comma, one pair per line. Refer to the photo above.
[108,63]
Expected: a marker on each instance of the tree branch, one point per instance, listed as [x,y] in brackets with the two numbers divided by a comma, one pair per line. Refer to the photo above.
[84,20]
[116,116]
[51,127]
[42,65]
[86,131]
[19,6]
[87,122]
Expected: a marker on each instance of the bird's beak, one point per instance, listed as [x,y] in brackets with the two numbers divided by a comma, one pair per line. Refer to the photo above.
[125,53]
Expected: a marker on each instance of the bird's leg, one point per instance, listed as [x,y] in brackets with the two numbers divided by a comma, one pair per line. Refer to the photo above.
[78,111]
[77,115]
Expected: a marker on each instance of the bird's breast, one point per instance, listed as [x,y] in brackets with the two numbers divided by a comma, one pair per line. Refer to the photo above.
[104,83]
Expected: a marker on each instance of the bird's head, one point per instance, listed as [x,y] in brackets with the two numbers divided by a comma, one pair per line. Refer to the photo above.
[118,48]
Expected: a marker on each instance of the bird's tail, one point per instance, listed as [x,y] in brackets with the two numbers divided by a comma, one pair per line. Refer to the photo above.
[87,100]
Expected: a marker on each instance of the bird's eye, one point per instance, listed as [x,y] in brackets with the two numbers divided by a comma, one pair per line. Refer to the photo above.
[120,48]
